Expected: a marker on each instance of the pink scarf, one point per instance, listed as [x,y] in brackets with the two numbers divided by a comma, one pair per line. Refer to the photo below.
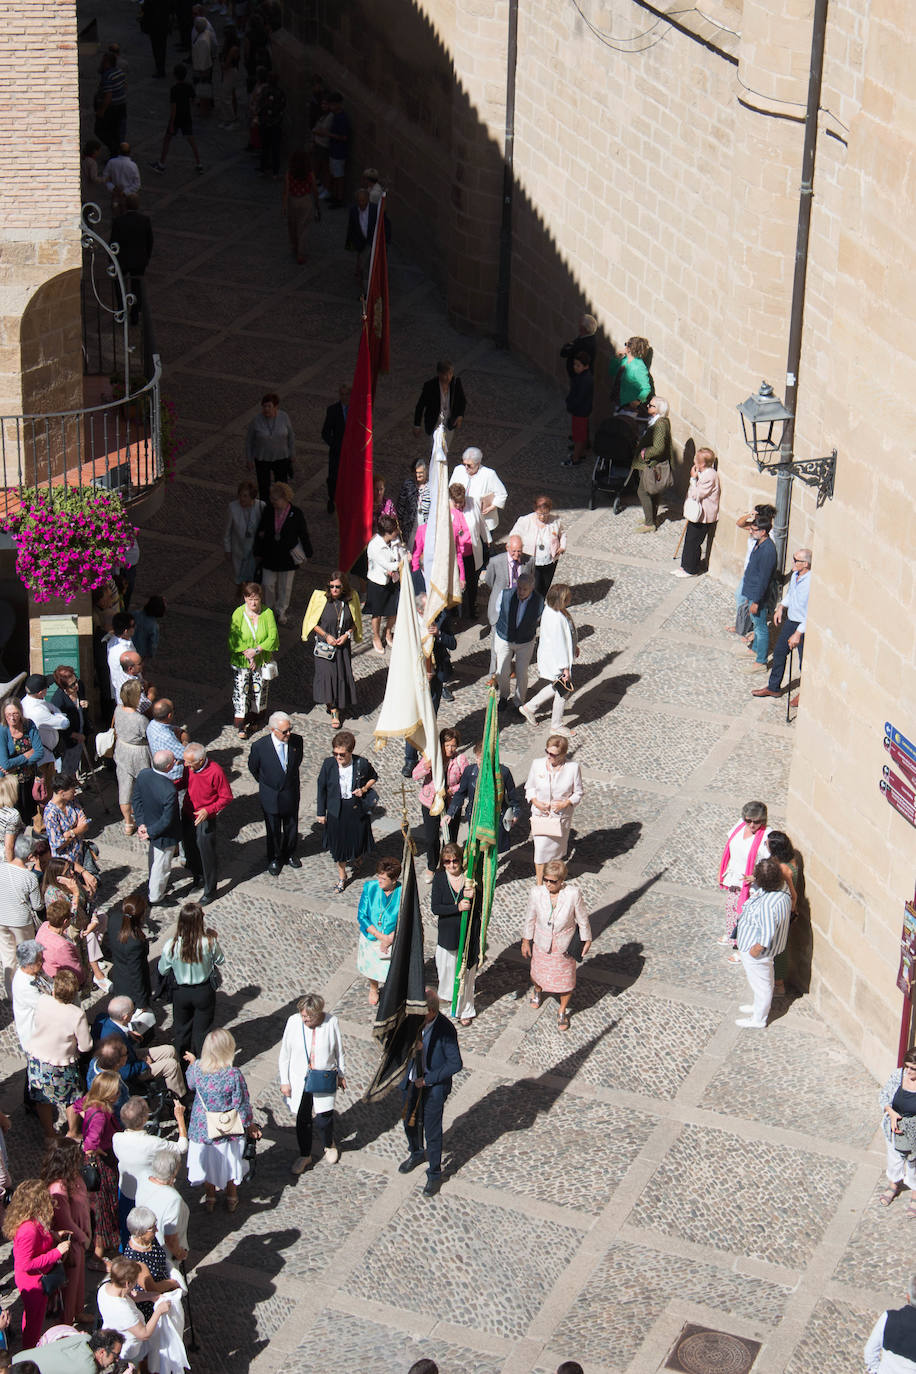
[751,859]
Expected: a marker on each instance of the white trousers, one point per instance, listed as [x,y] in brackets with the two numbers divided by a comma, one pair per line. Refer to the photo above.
[277,588]
[10,937]
[504,654]
[160,870]
[557,704]
[446,963]
[759,973]
[900,1168]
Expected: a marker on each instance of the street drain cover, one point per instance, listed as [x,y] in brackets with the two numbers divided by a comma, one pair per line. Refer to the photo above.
[698,1350]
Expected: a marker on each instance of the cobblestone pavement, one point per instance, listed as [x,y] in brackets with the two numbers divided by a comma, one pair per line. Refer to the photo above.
[654,1166]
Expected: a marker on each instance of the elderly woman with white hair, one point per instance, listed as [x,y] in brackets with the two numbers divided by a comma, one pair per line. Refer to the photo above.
[311,1071]
[152,1257]
[221,1119]
[135,1150]
[653,463]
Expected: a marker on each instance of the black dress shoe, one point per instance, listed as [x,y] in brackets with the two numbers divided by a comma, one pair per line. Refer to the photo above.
[294,862]
[432,1185]
[413,1161]
[206,899]
[273,868]
[407,771]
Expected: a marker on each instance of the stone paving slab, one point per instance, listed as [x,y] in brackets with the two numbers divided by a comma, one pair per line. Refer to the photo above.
[834,1339]
[348,1343]
[633,1285]
[468,1242]
[709,1191]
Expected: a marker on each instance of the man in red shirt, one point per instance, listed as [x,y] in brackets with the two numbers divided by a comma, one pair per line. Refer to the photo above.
[208,792]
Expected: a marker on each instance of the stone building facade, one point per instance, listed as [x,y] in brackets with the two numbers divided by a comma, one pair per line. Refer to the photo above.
[656,183]
[40,361]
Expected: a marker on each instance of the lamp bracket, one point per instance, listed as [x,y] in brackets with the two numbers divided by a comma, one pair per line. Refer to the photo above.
[814,472]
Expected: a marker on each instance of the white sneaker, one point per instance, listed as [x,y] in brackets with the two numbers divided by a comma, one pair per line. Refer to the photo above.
[331,1155]
[679,572]
[523,711]
[748,1024]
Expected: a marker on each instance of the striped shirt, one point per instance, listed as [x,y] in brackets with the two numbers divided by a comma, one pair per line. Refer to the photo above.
[764,921]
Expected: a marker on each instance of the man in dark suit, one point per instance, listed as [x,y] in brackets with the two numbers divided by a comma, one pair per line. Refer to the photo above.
[361,223]
[516,627]
[158,817]
[132,234]
[501,572]
[274,763]
[442,398]
[432,1069]
[332,434]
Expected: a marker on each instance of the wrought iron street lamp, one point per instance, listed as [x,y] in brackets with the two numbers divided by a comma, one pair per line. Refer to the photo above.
[767,428]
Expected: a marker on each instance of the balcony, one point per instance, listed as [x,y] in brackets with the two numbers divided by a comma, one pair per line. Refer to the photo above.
[114,440]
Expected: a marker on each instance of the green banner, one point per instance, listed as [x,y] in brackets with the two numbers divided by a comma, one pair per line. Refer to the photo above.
[481,851]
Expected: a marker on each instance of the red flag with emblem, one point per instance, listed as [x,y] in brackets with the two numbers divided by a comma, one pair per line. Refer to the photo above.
[354,477]
[377,313]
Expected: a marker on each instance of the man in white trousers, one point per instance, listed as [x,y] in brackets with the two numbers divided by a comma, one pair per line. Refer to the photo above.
[763,929]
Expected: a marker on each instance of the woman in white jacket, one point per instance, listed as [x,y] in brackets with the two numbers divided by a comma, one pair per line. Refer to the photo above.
[311,1044]
[557,649]
[238,537]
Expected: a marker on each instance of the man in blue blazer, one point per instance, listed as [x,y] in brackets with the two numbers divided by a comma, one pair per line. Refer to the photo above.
[432,1069]
[155,805]
[515,630]
[274,763]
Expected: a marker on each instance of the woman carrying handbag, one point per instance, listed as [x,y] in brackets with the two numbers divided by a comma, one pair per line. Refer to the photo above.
[701,511]
[221,1119]
[553,788]
[311,1071]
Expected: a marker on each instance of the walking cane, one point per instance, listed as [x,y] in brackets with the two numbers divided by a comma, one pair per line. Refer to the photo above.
[680,541]
[192,1344]
[90,774]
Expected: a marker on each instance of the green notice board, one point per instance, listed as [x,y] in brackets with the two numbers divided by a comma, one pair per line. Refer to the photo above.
[60,643]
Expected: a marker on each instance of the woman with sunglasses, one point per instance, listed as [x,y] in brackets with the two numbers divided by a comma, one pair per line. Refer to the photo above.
[345,800]
[555,911]
[451,902]
[543,539]
[554,788]
[334,617]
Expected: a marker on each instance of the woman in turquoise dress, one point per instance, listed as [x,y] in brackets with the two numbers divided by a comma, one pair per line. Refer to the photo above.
[378,916]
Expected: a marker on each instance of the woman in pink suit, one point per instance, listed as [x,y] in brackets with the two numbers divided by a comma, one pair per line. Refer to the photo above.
[555,911]
[36,1250]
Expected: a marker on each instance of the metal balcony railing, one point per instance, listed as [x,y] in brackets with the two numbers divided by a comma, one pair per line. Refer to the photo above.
[117,443]
[117,446]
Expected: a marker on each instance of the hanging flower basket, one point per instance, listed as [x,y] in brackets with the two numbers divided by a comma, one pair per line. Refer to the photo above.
[68,541]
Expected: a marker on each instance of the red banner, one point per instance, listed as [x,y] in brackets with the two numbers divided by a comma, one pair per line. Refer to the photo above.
[378,317]
[354,478]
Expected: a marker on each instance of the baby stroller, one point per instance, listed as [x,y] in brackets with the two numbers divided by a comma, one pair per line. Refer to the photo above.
[614,446]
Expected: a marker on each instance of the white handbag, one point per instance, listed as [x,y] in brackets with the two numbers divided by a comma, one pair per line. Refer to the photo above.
[268,671]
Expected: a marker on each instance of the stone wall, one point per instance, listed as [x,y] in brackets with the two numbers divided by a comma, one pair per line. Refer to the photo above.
[860,651]
[39,221]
